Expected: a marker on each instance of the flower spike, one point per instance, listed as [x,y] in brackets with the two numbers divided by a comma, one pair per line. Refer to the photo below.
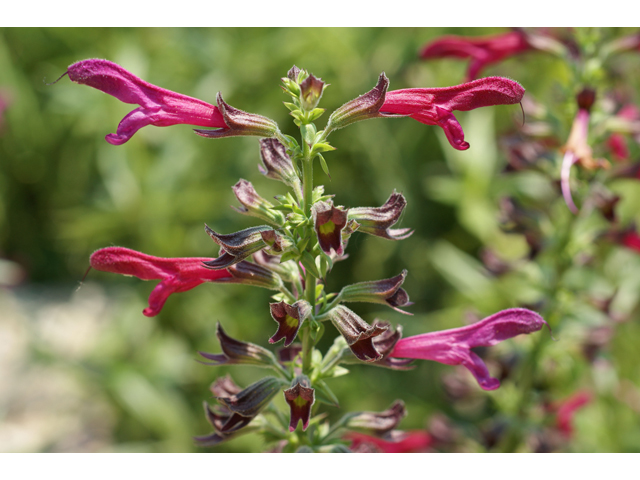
[453,347]
[177,274]
[158,106]
[435,106]
[378,220]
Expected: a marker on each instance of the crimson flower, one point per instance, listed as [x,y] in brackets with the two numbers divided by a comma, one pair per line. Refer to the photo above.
[566,409]
[158,106]
[434,106]
[414,441]
[453,347]
[177,274]
[481,51]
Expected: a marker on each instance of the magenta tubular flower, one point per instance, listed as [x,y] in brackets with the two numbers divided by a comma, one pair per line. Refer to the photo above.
[577,148]
[158,106]
[481,51]
[435,106]
[453,347]
[177,274]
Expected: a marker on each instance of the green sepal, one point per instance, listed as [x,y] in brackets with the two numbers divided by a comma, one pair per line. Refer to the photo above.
[315,114]
[292,107]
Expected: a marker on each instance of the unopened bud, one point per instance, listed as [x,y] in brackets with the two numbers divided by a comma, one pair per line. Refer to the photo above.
[254,205]
[362,108]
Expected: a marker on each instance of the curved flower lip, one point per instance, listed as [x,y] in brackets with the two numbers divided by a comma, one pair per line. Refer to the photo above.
[177,274]
[158,106]
[453,347]
[434,106]
[482,51]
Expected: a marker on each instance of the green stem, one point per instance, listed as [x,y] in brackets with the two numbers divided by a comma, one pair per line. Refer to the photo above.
[310,281]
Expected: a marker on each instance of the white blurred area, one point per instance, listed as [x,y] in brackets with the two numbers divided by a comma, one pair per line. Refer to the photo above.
[49,398]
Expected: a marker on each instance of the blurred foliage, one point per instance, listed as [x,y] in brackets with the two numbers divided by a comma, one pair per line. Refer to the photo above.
[65,192]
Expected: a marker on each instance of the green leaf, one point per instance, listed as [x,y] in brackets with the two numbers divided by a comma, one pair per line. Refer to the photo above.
[309,264]
[288,256]
[324,166]
[324,394]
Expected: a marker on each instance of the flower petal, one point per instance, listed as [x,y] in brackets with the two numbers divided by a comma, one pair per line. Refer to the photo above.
[158,106]
[453,347]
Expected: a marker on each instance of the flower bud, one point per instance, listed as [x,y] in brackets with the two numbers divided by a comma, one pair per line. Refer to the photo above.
[254,205]
[362,108]
[289,319]
[237,246]
[277,164]
[276,243]
[358,333]
[377,220]
[300,397]
[311,90]
[329,222]
[288,270]
[235,352]
[240,123]
[247,273]
[385,292]
[254,398]
[381,422]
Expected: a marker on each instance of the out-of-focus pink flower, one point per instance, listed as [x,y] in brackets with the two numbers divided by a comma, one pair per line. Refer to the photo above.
[177,274]
[435,106]
[577,149]
[453,347]
[414,441]
[481,51]
[158,106]
[566,409]
[630,239]
[5,101]
[628,120]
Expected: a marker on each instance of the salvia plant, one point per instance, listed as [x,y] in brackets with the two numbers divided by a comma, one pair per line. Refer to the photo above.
[301,233]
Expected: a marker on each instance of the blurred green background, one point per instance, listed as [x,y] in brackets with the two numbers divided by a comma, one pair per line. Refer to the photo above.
[81,369]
